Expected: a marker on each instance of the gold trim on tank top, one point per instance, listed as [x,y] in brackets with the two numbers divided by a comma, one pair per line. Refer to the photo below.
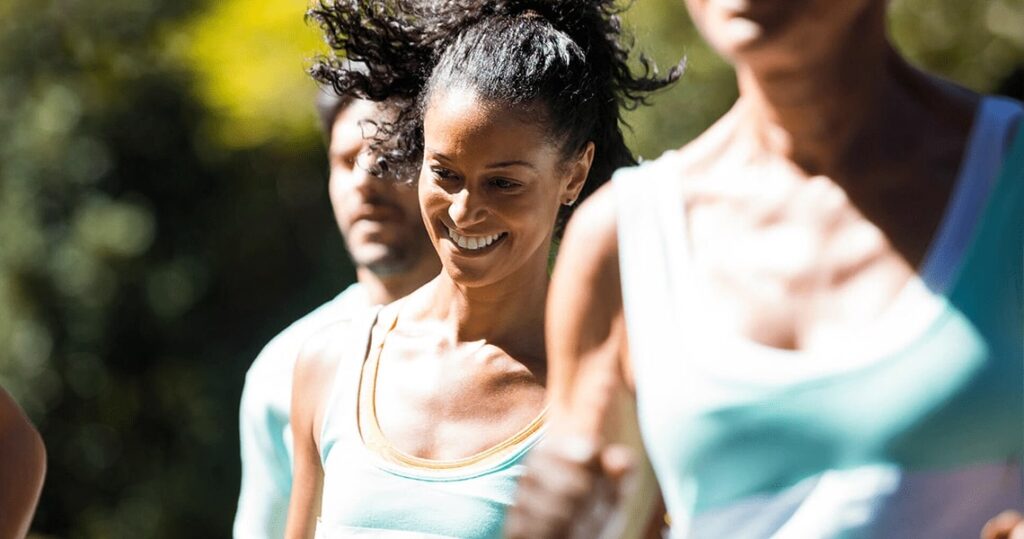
[374,439]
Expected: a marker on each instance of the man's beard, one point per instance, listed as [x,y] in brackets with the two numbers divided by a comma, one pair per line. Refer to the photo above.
[394,260]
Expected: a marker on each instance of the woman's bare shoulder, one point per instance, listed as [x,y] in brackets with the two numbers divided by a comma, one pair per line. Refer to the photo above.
[591,237]
[23,463]
[591,240]
[21,446]
[320,354]
[318,363]
[714,148]
[16,427]
[340,343]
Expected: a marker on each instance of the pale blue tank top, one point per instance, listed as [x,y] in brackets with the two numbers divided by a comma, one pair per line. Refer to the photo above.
[914,431]
[372,489]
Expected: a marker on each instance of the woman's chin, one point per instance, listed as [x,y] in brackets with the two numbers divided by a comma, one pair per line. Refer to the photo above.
[474,273]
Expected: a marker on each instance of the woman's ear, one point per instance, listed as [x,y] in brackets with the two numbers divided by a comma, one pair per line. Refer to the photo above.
[578,171]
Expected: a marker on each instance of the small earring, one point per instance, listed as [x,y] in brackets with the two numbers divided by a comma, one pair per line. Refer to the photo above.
[570,202]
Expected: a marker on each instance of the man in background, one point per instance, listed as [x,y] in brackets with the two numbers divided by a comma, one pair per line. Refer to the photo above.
[379,219]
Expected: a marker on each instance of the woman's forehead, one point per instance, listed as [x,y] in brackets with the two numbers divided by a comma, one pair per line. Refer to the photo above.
[462,110]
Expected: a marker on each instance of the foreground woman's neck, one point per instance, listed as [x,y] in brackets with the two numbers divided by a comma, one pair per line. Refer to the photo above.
[813,109]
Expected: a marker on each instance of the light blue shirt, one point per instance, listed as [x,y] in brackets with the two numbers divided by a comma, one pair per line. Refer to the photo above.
[266,441]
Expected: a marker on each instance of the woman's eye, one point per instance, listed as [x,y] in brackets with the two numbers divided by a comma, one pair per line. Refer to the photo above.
[443,174]
[503,184]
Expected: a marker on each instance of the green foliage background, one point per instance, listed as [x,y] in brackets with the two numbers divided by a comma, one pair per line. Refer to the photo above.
[163,214]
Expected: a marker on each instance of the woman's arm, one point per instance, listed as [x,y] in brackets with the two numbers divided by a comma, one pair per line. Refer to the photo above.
[590,478]
[314,374]
[22,468]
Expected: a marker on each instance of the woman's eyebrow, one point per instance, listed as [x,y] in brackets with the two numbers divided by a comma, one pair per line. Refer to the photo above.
[500,164]
[513,163]
[436,155]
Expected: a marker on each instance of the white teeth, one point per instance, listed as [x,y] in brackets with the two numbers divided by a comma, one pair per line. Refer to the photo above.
[472,243]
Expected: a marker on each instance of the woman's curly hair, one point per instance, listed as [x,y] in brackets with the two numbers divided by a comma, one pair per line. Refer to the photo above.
[568,56]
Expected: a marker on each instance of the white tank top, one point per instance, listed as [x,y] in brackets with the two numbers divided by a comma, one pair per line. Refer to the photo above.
[373,489]
[915,432]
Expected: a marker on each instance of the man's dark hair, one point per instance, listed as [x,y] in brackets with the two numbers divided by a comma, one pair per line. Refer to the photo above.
[328,106]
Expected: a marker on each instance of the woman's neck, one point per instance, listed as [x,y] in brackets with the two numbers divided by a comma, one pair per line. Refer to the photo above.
[813,110]
[508,313]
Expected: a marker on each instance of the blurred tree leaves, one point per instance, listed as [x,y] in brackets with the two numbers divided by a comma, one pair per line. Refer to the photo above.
[974,43]
[162,214]
[977,44]
[663,31]
[143,262]
[250,60]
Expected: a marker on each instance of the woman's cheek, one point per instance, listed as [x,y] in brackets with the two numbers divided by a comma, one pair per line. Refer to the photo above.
[433,204]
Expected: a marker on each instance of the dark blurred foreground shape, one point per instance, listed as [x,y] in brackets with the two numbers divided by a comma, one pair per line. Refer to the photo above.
[144,259]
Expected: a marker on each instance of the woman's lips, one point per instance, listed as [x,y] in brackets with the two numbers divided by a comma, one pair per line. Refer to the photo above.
[478,242]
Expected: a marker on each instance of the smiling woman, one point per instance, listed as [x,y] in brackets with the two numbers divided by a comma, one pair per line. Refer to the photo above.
[486,189]
[509,111]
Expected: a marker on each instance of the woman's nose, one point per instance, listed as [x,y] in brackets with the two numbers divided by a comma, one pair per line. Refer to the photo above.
[466,209]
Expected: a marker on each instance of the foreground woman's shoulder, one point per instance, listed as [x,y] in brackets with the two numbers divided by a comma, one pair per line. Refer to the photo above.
[591,237]
[594,226]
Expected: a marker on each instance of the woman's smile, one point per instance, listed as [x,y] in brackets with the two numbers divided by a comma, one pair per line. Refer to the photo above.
[475,244]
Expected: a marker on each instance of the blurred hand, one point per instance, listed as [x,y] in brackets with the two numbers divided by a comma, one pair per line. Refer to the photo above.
[572,490]
[1007,525]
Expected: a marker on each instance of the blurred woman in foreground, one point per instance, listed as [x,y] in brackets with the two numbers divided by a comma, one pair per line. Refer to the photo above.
[813,311]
